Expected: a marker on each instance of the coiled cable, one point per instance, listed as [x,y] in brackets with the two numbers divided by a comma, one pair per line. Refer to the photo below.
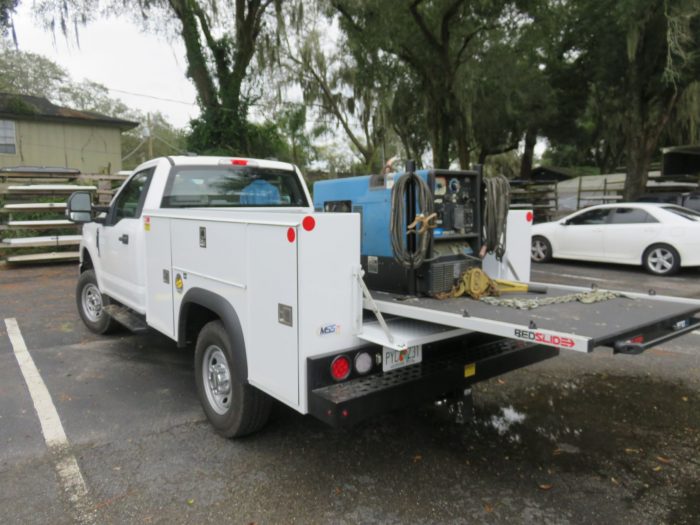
[496,214]
[404,256]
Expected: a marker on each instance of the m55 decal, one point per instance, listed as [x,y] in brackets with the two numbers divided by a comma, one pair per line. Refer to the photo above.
[329,329]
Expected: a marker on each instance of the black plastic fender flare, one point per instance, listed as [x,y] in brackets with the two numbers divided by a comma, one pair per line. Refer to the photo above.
[228,316]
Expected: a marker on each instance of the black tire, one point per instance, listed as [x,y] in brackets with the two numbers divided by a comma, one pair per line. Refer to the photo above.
[234,408]
[90,302]
[540,250]
[661,259]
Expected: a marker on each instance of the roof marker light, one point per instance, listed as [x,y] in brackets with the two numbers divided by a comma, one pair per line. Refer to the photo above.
[309,223]
[239,162]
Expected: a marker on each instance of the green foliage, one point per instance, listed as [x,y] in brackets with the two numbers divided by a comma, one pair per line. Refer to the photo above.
[636,59]
[7,7]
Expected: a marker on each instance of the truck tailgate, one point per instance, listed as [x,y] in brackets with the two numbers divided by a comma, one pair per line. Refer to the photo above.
[630,323]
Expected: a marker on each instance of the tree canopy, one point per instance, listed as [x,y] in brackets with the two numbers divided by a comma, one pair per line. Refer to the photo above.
[604,82]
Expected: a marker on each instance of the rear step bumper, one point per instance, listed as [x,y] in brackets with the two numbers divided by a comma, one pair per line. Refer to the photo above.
[443,371]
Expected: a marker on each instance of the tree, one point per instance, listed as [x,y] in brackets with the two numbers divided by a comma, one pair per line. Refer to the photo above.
[7,7]
[637,58]
[346,83]
[155,137]
[220,39]
[291,122]
[437,41]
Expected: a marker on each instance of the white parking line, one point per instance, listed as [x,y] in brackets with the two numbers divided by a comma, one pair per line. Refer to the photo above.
[580,277]
[67,468]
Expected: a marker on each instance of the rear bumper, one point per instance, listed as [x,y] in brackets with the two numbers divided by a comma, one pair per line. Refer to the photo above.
[447,367]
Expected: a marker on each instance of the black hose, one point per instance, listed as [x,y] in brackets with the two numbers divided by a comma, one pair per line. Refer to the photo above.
[404,256]
[496,214]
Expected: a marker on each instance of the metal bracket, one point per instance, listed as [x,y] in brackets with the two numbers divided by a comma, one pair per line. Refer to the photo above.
[375,309]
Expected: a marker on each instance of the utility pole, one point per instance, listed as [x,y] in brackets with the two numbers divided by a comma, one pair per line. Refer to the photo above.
[149,132]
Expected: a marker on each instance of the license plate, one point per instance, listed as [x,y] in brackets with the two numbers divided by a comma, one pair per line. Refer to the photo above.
[393,359]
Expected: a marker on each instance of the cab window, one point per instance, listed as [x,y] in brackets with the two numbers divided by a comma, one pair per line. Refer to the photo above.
[232,187]
[129,202]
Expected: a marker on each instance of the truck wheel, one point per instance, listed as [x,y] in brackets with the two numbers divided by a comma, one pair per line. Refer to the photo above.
[90,303]
[233,407]
[541,250]
[661,259]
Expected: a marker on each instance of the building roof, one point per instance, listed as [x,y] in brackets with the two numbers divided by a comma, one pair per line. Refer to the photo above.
[26,107]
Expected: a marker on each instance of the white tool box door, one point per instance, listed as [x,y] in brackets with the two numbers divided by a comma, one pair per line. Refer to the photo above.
[272,338]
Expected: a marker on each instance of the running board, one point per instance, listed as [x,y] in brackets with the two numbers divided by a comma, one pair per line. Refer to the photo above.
[128,318]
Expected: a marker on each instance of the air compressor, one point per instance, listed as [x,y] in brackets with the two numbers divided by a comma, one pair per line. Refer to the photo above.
[421,229]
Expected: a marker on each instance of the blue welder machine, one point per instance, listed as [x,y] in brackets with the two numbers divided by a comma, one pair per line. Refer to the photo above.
[420,229]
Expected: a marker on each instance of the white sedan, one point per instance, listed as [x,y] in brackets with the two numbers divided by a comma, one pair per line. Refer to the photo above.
[660,237]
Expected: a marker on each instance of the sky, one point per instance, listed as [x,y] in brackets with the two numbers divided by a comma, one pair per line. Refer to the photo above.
[120,56]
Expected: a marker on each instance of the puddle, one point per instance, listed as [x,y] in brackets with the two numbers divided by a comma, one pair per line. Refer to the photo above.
[509,417]
[636,434]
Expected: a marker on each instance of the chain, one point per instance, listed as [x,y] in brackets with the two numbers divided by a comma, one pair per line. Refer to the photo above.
[595,296]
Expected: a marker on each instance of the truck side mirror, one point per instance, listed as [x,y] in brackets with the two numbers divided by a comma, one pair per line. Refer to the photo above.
[79,207]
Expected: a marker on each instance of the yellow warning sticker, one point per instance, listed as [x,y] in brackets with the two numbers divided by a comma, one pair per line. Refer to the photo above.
[470,370]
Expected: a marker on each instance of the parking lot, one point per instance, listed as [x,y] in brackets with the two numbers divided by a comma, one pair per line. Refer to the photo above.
[578,439]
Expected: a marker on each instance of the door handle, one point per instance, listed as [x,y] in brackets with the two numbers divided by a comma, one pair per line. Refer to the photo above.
[124,239]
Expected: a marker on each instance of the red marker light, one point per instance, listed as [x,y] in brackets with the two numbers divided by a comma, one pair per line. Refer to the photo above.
[239,162]
[340,368]
[309,223]
[291,235]
[638,339]
[529,216]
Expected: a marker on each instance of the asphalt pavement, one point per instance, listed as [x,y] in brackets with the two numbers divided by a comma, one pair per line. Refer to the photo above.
[597,438]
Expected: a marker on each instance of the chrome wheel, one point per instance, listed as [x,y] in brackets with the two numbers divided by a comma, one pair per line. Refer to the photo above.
[661,260]
[539,250]
[216,378]
[92,302]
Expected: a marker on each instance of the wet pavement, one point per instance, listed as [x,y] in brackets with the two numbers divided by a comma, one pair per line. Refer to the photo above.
[577,439]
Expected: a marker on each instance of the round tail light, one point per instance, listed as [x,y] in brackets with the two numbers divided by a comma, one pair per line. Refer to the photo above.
[340,368]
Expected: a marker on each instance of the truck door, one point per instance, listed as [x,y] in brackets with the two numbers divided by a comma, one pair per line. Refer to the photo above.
[122,256]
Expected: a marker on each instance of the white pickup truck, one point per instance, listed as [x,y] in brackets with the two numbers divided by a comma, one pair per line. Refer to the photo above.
[230,255]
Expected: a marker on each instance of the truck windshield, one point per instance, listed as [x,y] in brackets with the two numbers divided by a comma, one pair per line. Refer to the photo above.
[232,187]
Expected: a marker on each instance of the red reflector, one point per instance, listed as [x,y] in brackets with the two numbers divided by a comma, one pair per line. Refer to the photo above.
[291,235]
[239,162]
[529,216]
[340,368]
[309,223]
[345,413]
[638,339]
